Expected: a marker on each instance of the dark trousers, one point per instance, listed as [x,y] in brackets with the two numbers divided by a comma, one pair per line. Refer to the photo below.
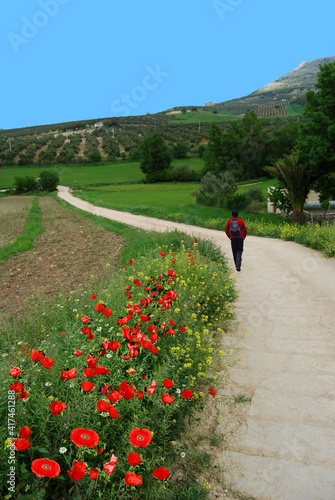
[237,248]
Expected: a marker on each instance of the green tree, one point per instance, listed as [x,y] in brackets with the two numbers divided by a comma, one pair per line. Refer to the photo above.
[295,179]
[316,142]
[155,157]
[180,150]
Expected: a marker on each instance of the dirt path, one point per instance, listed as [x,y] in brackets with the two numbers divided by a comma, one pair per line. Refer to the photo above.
[281,445]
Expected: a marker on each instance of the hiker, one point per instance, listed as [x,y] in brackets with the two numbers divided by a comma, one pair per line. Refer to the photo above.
[236,232]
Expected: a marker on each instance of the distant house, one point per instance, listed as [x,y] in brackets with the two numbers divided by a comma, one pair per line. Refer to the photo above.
[98,124]
[209,103]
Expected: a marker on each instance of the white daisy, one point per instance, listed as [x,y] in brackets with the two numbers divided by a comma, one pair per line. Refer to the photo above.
[183,455]
[62,450]
[47,384]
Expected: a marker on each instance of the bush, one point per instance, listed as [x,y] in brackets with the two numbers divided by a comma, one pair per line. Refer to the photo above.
[238,201]
[183,173]
[24,184]
[48,180]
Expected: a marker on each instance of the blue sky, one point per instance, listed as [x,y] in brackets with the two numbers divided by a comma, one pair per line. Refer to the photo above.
[65,60]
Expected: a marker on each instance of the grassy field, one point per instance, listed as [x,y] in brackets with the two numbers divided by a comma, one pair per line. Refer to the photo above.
[170,201]
[295,109]
[83,175]
[204,116]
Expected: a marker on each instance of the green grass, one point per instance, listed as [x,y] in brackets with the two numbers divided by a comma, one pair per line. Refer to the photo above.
[170,201]
[204,116]
[81,175]
[25,241]
[294,109]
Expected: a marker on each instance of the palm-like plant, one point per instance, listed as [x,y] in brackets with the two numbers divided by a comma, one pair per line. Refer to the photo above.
[294,178]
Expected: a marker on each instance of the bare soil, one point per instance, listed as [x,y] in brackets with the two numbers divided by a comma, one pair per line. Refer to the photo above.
[69,251]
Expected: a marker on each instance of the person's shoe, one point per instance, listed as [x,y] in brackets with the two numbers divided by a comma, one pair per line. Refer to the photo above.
[238,269]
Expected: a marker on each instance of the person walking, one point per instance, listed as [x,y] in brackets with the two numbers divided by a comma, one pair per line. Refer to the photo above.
[236,232]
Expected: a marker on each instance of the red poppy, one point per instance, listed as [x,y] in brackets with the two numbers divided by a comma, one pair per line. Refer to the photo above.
[153,337]
[133,350]
[105,388]
[24,432]
[211,392]
[21,444]
[113,413]
[86,330]
[107,313]
[69,374]
[101,370]
[87,386]
[91,361]
[140,437]
[90,336]
[140,394]
[162,253]
[133,458]
[114,345]
[153,349]
[173,261]
[17,387]
[161,473]
[77,352]
[151,390]
[166,398]
[57,407]
[99,449]
[45,468]
[182,329]
[132,479]
[144,318]
[84,437]
[114,396]
[168,383]
[79,470]
[36,355]
[103,405]
[127,391]
[110,466]
[15,372]
[23,395]
[126,358]
[187,394]
[47,363]
[100,307]
[93,296]
[85,319]
[94,473]
[88,372]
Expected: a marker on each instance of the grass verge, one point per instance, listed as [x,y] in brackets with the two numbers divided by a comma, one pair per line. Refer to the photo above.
[26,240]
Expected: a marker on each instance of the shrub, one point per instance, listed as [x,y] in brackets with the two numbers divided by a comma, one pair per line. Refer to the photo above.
[237,201]
[24,184]
[183,173]
[48,180]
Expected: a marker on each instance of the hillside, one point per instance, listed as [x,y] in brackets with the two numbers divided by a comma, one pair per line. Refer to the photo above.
[283,96]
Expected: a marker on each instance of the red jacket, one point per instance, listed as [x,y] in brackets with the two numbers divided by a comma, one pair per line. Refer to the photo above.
[243,229]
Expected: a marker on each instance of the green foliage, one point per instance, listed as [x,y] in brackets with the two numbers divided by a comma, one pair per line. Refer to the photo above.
[281,200]
[48,180]
[183,173]
[215,188]
[24,184]
[180,150]
[237,201]
[295,178]
[316,141]
[155,158]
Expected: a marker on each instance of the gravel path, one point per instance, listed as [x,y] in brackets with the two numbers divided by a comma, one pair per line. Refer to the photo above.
[283,445]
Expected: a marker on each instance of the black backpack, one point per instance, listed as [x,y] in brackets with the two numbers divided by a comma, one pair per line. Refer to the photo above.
[235,228]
